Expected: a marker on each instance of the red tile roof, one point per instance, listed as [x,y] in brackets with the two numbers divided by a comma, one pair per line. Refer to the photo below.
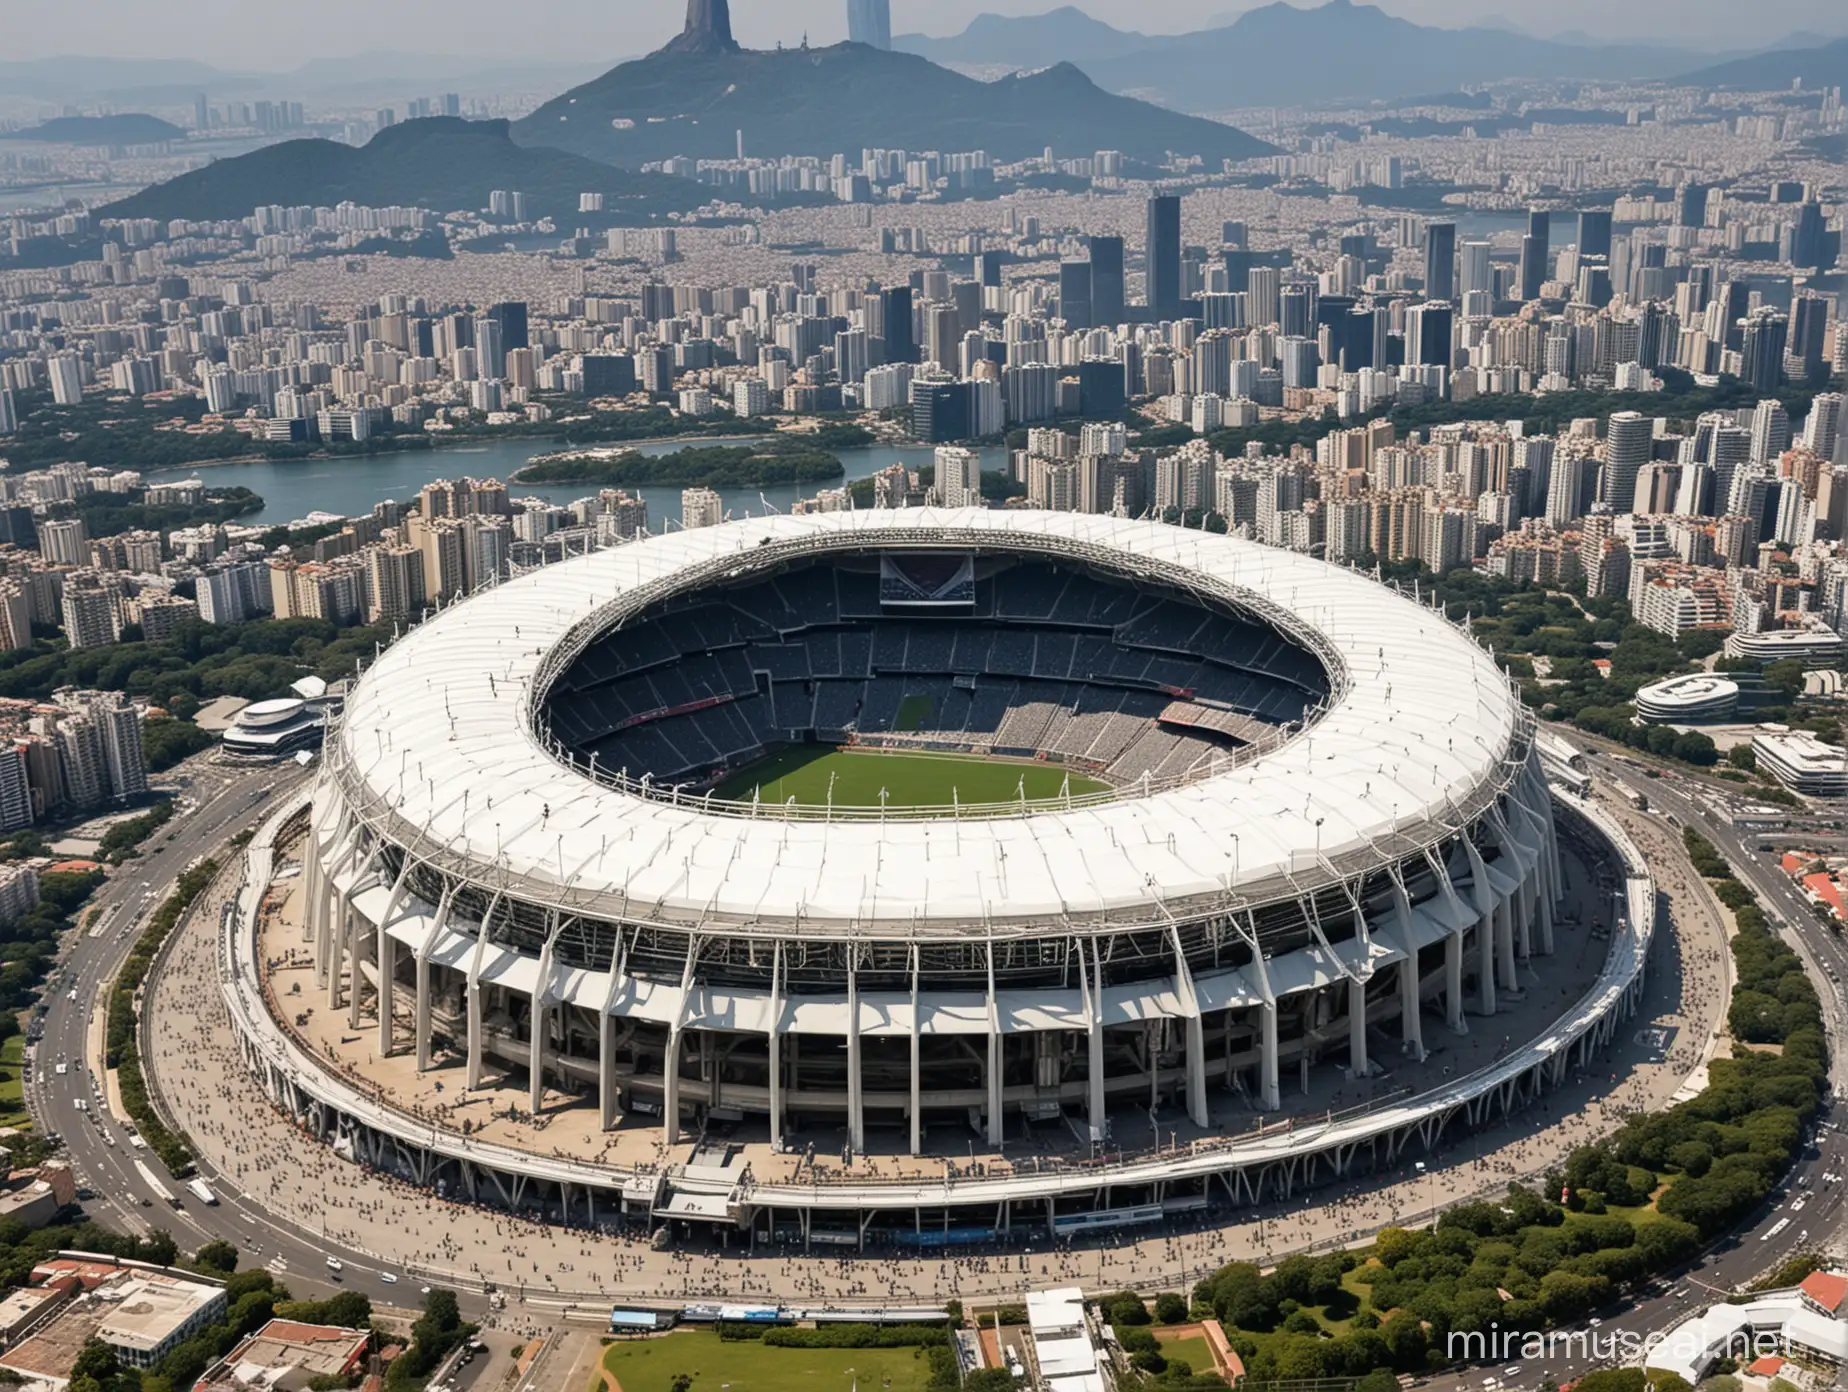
[1826,1289]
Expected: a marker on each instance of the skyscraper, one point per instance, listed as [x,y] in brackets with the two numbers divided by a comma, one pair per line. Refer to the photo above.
[1075,294]
[870,22]
[901,344]
[1627,447]
[1536,253]
[1440,276]
[1766,333]
[1164,256]
[1594,233]
[1107,281]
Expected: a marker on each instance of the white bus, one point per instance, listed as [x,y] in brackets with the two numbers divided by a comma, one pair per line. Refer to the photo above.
[152,1180]
[202,1191]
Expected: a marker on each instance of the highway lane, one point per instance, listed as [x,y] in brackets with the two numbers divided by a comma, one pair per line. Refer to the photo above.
[1806,1212]
[215,802]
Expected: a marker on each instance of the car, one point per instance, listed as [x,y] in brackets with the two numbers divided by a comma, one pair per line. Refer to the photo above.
[424,1290]
[1515,1371]
[335,1264]
[388,1278]
[63,1068]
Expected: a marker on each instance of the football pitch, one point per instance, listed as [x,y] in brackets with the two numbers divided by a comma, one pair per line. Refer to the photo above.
[909,780]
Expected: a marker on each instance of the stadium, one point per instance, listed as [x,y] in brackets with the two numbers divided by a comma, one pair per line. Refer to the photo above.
[1010,856]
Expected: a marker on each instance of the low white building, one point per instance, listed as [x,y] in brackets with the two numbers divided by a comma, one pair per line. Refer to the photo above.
[1803,763]
[1062,1345]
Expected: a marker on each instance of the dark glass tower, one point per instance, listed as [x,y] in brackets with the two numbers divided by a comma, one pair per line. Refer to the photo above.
[1441,261]
[1594,233]
[1107,281]
[1164,256]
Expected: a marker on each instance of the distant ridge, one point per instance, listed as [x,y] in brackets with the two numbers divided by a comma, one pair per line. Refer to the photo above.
[696,95]
[1820,66]
[130,128]
[1064,35]
[443,164]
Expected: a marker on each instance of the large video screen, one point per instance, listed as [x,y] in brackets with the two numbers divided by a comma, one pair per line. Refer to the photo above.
[927,579]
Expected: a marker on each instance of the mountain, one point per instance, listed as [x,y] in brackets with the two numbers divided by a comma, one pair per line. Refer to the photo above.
[72,75]
[820,101]
[131,128]
[1343,51]
[443,164]
[1823,65]
[1064,35]
[379,74]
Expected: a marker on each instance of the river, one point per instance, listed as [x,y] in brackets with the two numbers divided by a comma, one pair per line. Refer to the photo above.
[350,485]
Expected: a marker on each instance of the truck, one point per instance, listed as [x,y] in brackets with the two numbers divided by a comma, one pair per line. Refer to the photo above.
[152,1180]
[202,1191]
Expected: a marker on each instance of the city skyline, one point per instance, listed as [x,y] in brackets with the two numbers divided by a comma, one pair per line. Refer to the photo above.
[219,33]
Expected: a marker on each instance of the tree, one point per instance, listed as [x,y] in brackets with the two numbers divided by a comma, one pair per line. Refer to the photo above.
[96,1359]
[1170,1308]
[1786,677]
[1379,1380]
[1742,756]
[218,1256]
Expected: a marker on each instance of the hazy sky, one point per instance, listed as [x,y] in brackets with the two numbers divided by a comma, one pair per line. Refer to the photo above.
[268,34]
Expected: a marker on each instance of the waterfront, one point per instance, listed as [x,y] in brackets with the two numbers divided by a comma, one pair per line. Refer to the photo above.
[351,485]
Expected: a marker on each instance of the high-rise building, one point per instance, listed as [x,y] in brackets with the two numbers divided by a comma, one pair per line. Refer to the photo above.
[900,337]
[64,542]
[66,374]
[870,22]
[1164,256]
[1762,350]
[959,476]
[9,414]
[1107,281]
[1428,330]
[700,507]
[1075,294]
[1627,447]
[92,615]
[1594,233]
[1440,277]
[1478,273]
[1536,254]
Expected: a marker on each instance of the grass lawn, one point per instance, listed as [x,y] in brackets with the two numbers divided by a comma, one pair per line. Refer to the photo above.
[12,1091]
[910,780]
[1192,1350]
[913,711]
[649,1365]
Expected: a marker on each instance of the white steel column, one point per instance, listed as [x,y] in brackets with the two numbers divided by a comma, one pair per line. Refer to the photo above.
[856,1112]
[1196,1033]
[1357,1027]
[917,1050]
[607,1112]
[776,1048]
[1091,979]
[996,1058]
[1411,989]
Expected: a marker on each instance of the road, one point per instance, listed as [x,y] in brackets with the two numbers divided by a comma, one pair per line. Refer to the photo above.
[1806,1212]
[215,802]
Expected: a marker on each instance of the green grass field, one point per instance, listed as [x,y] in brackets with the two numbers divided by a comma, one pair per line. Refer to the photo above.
[649,1365]
[12,1091]
[1193,1351]
[910,780]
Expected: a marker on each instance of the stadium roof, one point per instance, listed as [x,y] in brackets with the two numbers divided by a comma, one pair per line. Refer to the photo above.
[438,751]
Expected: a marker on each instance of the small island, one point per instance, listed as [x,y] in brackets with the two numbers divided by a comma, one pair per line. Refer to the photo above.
[760,464]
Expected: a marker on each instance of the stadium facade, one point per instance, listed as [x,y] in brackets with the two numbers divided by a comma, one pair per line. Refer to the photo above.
[1329,831]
